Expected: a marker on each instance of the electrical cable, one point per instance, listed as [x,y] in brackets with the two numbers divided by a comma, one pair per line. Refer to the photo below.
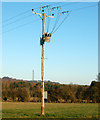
[21,25]
[71,11]
[7,20]
[66,5]
[17,20]
[61,23]
[48,23]
[23,13]
[16,16]
[57,19]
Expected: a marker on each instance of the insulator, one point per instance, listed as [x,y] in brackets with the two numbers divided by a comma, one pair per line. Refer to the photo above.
[54,8]
[32,9]
[42,10]
[45,34]
[50,34]
[46,6]
[52,14]
[57,8]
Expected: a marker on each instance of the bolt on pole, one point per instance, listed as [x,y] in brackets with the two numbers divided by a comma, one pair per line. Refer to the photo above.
[42,73]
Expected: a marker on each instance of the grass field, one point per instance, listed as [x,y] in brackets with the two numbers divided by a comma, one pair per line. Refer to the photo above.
[52,110]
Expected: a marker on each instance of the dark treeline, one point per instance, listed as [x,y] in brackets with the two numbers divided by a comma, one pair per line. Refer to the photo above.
[24,91]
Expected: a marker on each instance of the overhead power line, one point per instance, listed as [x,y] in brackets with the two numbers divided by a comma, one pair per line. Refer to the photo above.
[60,24]
[17,20]
[79,8]
[48,23]
[55,29]
[21,25]
[68,15]
[57,19]
[27,11]
[16,16]
[22,13]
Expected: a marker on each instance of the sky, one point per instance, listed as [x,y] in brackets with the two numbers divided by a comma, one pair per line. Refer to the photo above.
[72,52]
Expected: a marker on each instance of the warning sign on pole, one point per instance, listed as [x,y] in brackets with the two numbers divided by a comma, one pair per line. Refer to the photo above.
[45,94]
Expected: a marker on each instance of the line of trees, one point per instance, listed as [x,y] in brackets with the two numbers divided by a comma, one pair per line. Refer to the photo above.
[17,90]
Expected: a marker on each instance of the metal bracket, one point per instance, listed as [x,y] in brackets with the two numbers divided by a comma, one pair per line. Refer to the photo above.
[45,58]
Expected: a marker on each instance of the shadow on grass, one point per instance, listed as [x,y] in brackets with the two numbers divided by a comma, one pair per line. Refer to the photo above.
[38,115]
[46,115]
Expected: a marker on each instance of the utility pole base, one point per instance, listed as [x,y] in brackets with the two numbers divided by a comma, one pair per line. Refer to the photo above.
[42,110]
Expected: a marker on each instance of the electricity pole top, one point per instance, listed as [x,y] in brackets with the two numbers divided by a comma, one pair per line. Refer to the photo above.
[45,38]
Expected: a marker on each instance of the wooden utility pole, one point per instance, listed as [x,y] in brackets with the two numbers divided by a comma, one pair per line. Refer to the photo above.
[45,38]
[42,74]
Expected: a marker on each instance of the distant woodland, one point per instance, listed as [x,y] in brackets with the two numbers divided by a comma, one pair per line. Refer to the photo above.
[24,91]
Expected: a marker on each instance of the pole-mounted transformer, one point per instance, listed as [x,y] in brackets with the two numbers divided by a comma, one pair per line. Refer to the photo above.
[45,38]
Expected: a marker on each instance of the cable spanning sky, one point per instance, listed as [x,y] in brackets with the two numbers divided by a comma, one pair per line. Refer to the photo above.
[72,53]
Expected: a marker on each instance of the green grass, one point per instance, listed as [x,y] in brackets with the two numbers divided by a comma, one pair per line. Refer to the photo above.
[52,110]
